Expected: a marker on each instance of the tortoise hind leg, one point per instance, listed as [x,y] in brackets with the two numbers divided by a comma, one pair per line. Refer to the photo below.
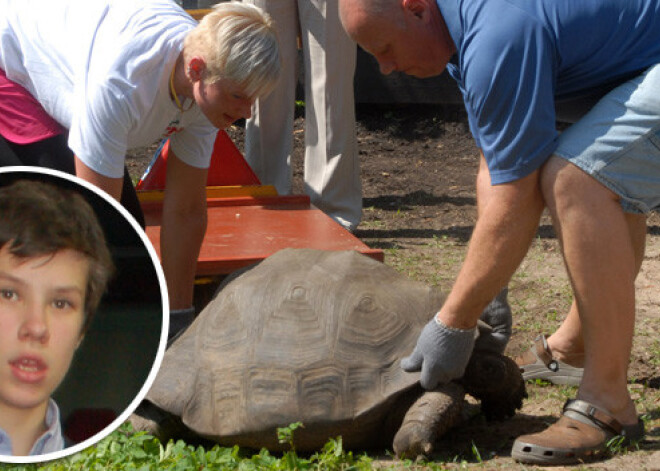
[429,418]
[496,381]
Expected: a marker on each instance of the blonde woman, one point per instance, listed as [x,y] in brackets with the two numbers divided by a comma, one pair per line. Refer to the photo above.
[81,82]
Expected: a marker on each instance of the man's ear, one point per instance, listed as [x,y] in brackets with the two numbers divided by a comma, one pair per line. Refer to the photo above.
[416,7]
[196,68]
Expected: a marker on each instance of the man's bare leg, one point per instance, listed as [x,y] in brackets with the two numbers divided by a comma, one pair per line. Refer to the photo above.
[566,343]
[602,248]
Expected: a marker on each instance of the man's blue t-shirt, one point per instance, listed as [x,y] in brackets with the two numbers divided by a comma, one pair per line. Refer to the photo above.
[516,57]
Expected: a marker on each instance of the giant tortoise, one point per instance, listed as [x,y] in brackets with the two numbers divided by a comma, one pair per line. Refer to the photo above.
[316,337]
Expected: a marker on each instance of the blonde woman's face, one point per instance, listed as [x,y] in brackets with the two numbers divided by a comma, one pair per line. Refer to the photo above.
[222,102]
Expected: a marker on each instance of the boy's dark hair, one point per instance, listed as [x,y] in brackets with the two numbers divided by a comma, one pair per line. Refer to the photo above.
[38,219]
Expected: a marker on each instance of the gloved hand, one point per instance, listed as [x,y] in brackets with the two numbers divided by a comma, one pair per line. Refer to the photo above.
[180,319]
[497,315]
[441,353]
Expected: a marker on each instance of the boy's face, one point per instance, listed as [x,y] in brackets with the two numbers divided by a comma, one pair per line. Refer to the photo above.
[41,316]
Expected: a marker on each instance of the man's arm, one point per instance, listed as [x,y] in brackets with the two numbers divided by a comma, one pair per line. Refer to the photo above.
[508,219]
[183,228]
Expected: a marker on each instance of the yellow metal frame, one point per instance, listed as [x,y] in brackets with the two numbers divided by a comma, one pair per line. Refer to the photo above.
[151,196]
[198,14]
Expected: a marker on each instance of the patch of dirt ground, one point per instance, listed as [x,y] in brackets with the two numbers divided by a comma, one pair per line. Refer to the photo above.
[419,165]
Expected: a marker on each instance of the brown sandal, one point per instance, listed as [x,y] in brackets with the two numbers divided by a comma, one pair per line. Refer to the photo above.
[582,432]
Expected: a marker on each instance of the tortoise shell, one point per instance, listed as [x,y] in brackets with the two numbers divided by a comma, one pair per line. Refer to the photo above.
[304,336]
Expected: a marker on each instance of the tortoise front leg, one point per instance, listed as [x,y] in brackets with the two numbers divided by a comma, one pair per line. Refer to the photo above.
[428,418]
[496,381]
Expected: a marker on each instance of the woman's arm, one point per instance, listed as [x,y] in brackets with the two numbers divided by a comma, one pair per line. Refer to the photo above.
[183,228]
[111,186]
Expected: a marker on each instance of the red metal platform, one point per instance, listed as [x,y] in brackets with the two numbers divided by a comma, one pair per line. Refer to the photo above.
[247,221]
[245,230]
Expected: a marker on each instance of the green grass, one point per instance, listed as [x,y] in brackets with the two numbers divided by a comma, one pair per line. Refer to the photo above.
[129,451]
[125,450]
[375,224]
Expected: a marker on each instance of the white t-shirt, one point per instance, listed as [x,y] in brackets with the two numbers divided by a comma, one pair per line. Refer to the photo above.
[101,68]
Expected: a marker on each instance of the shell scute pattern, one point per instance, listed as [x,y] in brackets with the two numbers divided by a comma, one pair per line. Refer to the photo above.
[305,335]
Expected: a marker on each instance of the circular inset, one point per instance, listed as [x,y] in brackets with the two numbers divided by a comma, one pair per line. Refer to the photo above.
[68,344]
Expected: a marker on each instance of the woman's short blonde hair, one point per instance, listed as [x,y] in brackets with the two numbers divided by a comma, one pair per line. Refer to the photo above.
[238,42]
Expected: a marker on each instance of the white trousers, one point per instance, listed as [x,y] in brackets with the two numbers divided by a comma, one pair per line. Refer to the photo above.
[332,167]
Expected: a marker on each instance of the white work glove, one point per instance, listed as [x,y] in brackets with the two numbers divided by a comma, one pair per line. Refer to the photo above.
[497,315]
[441,353]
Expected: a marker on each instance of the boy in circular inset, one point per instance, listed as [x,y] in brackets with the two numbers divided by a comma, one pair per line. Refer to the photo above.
[54,268]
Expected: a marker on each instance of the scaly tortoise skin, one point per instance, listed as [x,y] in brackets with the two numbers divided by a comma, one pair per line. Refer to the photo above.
[316,337]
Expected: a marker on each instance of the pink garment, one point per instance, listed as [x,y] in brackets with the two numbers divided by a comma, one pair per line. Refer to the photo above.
[22,119]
